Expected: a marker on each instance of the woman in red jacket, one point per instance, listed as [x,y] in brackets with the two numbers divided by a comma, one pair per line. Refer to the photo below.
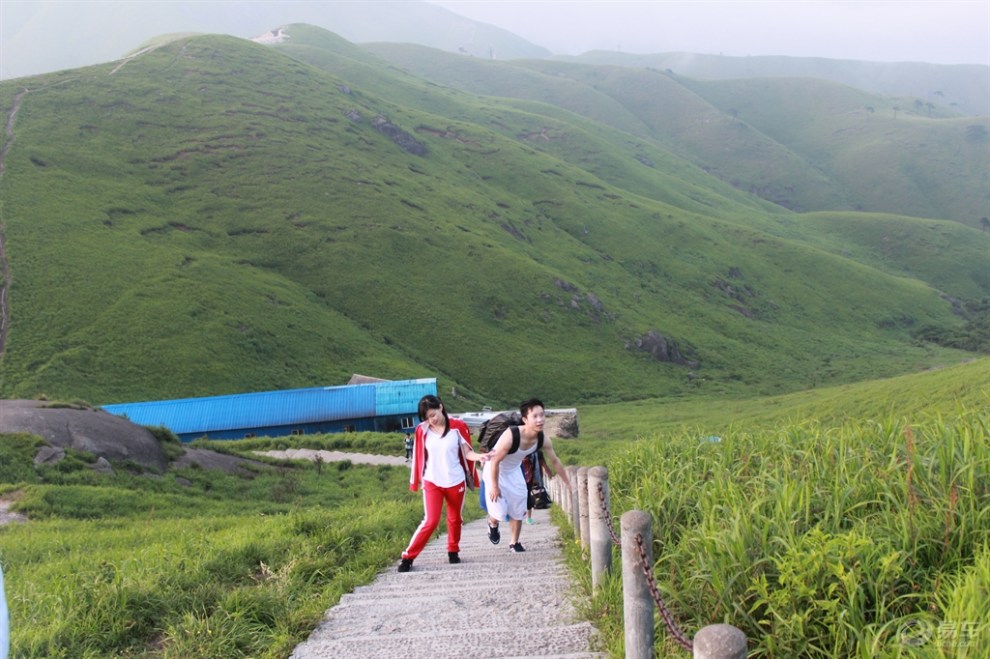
[442,461]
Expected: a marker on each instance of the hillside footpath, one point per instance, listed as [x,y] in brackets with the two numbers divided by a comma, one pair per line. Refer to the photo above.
[333,456]
[8,139]
[495,603]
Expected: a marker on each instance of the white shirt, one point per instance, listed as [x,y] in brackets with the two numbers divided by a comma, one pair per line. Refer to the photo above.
[443,467]
[511,503]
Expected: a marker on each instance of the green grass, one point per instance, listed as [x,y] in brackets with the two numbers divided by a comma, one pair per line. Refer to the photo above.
[819,540]
[942,391]
[196,563]
[953,89]
[824,523]
[225,585]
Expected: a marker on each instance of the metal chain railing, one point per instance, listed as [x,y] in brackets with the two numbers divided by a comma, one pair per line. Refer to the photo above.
[644,563]
[668,617]
[607,514]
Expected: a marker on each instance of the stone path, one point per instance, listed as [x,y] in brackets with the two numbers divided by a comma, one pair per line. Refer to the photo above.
[495,603]
[6,515]
[334,456]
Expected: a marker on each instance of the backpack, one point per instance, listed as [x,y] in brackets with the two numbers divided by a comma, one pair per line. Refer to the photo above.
[493,428]
[537,497]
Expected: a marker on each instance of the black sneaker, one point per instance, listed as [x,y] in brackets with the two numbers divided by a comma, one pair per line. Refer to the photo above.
[405,564]
[517,547]
[452,557]
[493,534]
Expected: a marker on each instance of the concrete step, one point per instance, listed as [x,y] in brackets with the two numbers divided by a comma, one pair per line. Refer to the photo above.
[494,604]
[398,642]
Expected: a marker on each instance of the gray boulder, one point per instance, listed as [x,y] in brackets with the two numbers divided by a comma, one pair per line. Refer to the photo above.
[49,455]
[84,429]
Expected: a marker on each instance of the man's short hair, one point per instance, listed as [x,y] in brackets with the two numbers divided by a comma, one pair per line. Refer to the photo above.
[529,404]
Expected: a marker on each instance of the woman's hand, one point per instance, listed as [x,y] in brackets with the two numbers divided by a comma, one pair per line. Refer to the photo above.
[494,493]
[474,456]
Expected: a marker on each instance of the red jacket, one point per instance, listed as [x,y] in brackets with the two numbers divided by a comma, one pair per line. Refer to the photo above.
[419,454]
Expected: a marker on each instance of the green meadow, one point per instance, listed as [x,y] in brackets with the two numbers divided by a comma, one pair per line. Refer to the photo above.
[821,524]
[866,539]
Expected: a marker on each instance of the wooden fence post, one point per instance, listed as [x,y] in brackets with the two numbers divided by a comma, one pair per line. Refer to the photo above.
[561,497]
[599,508]
[637,601]
[582,477]
[719,642]
[575,509]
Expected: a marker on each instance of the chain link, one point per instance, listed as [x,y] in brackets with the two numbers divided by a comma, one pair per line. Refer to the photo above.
[644,563]
[668,617]
[607,515]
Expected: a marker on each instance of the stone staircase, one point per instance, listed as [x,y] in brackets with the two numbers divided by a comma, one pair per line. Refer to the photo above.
[495,603]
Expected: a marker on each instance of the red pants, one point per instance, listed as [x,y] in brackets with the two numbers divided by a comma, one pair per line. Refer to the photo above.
[433,499]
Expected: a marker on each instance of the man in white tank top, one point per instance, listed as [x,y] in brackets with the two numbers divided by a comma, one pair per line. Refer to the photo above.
[505,485]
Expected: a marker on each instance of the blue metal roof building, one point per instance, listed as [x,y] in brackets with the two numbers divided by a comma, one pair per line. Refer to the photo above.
[386,406]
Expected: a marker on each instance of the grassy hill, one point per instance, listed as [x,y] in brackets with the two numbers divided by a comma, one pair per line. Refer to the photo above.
[917,397]
[217,216]
[68,36]
[962,88]
[893,155]
[804,143]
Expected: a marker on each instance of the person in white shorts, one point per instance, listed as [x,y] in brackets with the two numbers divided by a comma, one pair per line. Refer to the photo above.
[505,485]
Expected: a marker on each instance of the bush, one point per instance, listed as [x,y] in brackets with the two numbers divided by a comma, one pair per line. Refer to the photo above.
[170,442]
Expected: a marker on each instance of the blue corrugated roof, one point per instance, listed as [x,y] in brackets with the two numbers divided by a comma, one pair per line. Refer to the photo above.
[402,397]
[279,408]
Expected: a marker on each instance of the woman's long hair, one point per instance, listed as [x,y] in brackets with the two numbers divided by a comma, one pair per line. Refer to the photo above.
[431,402]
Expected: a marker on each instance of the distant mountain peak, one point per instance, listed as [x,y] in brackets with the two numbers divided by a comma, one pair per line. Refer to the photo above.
[278,35]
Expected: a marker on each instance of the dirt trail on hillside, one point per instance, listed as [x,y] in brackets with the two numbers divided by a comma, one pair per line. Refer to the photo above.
[4,266]
[6,501]
[4,148]
[334,456]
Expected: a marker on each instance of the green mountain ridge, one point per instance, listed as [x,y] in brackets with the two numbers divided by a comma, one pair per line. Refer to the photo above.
[961,87]
[218,216]
[805,144]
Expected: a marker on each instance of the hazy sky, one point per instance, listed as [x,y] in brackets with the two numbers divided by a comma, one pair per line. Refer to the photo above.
[48,35]
[941,31]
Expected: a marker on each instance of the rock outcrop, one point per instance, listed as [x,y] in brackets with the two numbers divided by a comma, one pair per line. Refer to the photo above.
[83,429]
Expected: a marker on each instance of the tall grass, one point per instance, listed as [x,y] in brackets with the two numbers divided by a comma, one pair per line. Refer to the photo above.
[218,586]
[823,541]
[193,563]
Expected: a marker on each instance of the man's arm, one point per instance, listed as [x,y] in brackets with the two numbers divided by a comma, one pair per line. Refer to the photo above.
[558,467]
